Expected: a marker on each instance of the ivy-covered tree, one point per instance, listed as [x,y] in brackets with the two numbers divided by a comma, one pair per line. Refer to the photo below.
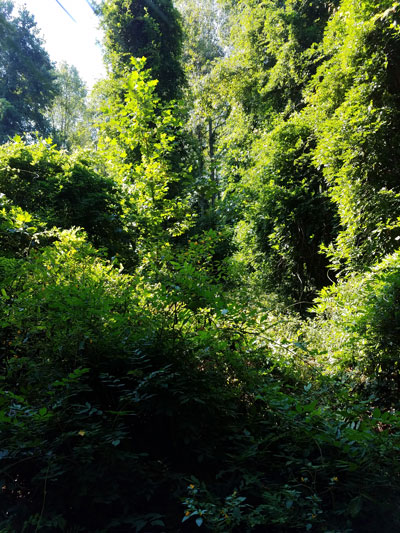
[274,53]
[150,29]
[355,105]
[288,214]
[272,189]
[27,79]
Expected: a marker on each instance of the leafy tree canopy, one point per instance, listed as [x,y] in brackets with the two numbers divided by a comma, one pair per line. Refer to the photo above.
[27,80]
[68,110]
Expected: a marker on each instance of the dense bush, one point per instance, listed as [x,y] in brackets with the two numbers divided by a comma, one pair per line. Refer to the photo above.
[358,323]
[154,414]
[62,190]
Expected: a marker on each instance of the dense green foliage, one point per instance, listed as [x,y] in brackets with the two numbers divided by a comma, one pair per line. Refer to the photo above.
[145,28]
[60,190]
[200,305]
[355,103]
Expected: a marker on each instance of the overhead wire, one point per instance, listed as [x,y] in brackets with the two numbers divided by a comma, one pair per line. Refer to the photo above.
[89,3]
[66,11]
[91,6]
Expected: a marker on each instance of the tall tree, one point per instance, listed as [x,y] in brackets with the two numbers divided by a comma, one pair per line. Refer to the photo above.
[27,80]
[150,29]
[204,23]
[136,137]
[69,106]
